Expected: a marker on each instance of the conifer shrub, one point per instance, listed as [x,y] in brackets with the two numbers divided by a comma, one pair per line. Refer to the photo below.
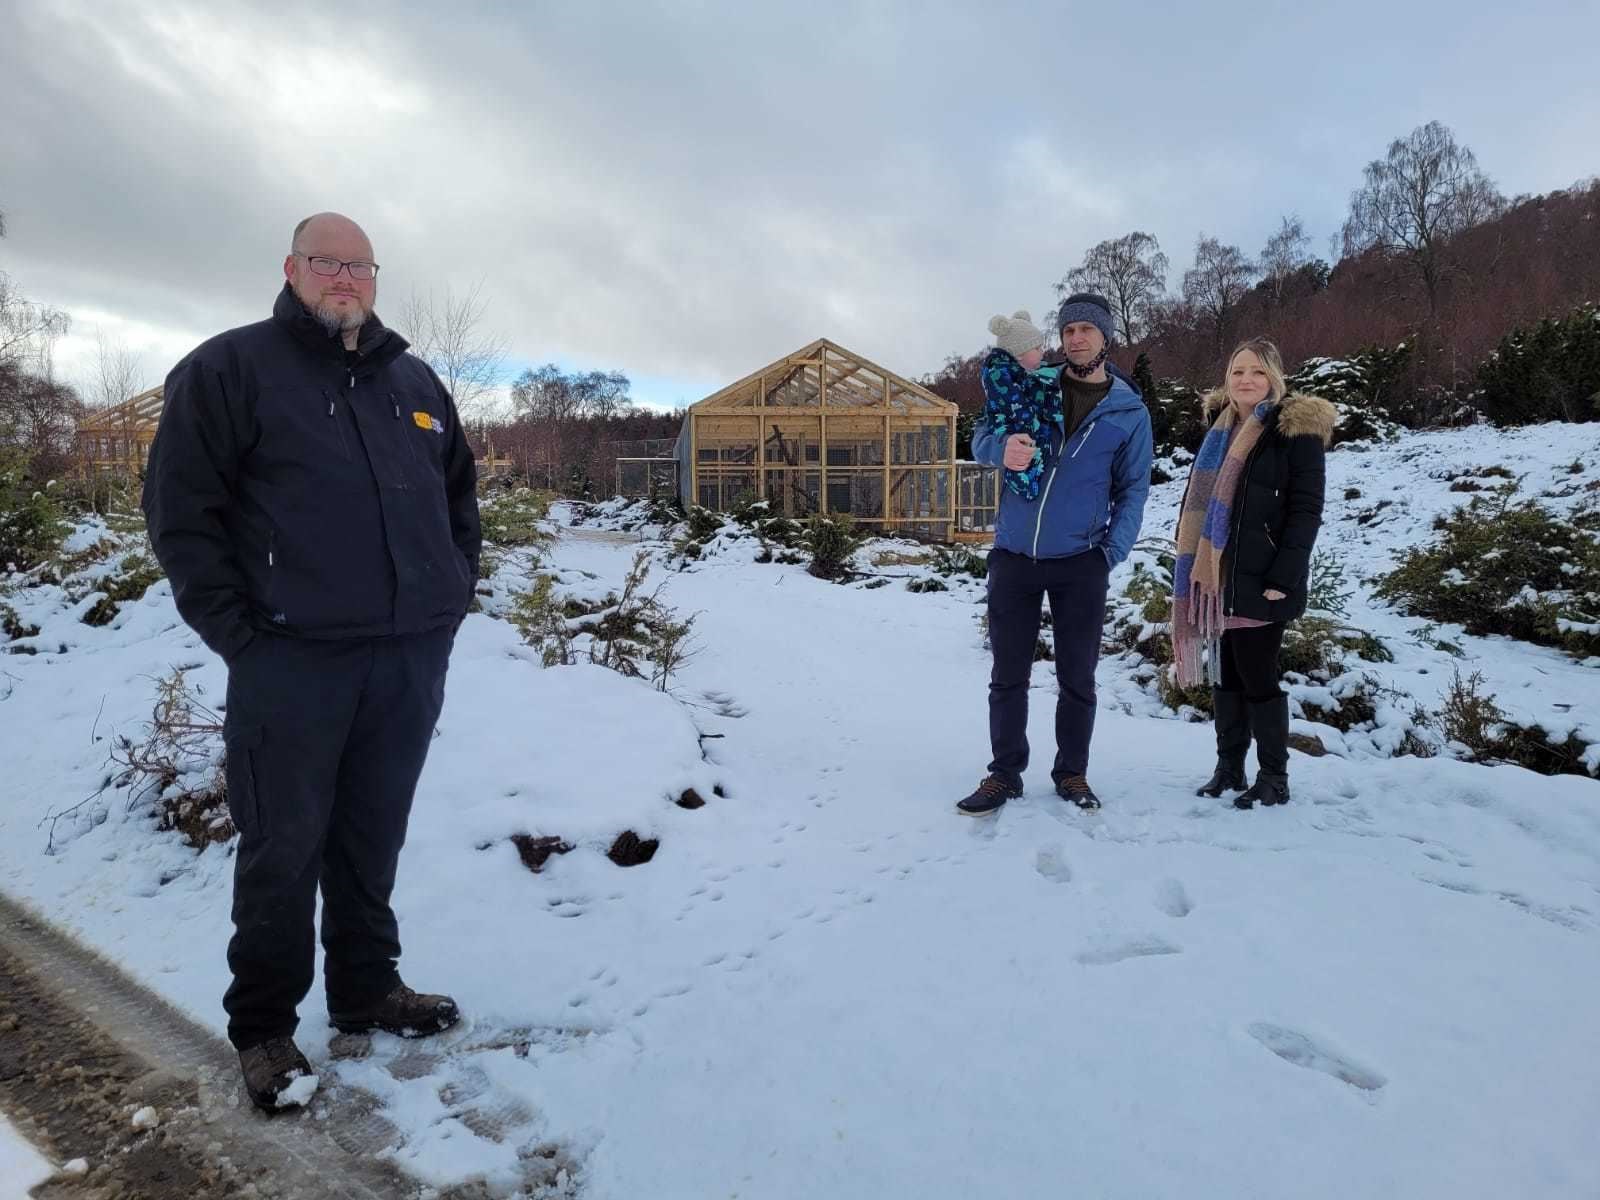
[832,539]
[1548,373]
[1517,570]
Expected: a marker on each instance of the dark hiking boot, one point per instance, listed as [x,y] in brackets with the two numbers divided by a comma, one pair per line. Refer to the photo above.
[403,1013]
[270,1069]
[1076,788]
[989,797]
[1232,721]
[1268,789]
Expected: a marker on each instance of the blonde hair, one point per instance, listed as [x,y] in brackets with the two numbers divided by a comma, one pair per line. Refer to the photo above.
[1271,362]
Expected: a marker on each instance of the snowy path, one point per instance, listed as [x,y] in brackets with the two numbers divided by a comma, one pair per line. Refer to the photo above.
[135,1100]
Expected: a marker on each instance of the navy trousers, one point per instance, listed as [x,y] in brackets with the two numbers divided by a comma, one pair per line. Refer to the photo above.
[325,742]
[1018,585]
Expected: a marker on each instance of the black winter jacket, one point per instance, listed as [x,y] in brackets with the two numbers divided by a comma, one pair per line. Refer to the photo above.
[1279,511]
[294,490]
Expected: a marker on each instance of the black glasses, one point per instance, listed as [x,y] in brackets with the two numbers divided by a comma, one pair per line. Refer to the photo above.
[322,265]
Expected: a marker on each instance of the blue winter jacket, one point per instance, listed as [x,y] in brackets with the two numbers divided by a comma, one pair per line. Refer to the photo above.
[1094,488]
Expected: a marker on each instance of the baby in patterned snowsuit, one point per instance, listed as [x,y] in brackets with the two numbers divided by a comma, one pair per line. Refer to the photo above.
[1019,395]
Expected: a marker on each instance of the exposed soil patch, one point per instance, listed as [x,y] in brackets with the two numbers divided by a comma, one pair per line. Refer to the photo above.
[536,851]
[630,850]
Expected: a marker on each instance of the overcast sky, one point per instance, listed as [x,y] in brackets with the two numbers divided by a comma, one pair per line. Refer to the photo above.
[685,191]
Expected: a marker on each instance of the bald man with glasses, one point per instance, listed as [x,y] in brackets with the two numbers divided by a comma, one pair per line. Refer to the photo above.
[313,500]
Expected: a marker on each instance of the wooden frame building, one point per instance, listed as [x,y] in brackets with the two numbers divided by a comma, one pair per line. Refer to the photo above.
[824,430]
[116,440]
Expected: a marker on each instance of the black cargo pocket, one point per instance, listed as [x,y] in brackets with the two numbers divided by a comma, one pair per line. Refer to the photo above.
[239,769]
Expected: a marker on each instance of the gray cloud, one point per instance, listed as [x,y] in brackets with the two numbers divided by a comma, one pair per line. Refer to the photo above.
[687,190]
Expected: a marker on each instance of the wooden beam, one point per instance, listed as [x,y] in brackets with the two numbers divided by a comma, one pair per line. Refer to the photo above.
[916,389]
[888,445]
[822,404]
[694,458]
[750,380]
[918,400]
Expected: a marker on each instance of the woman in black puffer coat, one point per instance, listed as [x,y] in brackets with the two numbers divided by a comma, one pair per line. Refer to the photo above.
[1274,516]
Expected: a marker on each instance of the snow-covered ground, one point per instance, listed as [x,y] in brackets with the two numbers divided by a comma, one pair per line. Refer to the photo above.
[22,1167]
[1383,500]
[826,982]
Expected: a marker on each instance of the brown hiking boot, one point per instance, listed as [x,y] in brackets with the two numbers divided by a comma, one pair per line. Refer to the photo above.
[1076,788]
[271,1070]
[403,1013]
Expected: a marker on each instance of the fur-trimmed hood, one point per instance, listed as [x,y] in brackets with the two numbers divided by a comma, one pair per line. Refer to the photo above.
[1299,413]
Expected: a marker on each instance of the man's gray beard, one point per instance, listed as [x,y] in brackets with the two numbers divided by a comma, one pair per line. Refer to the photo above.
[334,322]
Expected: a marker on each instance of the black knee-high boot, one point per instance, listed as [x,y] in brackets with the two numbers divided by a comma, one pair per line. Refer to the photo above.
[1232,721]
[1269,722]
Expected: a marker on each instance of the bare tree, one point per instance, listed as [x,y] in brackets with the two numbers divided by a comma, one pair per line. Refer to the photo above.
[545,395]
[446,333]
[1213,287]
[1284,254]
[1130,272]
[1427,190]
[38,415]
[28,331]
[604,394]
[558,416]
[118,373]
[549,394]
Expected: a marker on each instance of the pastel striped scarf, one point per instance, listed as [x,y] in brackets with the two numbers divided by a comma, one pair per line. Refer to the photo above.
[1203,529]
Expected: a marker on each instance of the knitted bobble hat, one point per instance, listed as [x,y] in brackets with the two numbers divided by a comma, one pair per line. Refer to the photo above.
[1016,334]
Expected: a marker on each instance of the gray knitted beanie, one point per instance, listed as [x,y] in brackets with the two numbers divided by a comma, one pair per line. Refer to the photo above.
[1016,334]
[1090,307]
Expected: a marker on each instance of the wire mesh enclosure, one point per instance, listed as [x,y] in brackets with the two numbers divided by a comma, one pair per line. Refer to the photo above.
[647,478]
[825,431]
[977,501]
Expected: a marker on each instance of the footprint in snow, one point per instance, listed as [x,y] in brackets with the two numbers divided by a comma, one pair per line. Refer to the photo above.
[1304,1051]
[1052,866]
[1172,899]
[1139,948]
[983,829]
[725,705]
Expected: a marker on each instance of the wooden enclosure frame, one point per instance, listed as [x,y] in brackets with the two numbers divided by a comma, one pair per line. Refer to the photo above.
[826,430]
[116,440]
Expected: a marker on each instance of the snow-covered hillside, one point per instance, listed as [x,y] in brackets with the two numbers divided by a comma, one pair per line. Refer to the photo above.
[825,982]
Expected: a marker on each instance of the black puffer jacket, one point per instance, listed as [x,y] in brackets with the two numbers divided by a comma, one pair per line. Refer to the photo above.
[293,488]
[1279,511]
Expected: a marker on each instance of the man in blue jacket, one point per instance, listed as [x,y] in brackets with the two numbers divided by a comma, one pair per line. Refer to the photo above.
[1077,472]
[312,497]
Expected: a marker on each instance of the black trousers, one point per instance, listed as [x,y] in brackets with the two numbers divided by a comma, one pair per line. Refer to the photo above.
[1250,661]
[325,743]
[1017,588]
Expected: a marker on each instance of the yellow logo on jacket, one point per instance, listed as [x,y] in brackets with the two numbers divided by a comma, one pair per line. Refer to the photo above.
[428,421]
